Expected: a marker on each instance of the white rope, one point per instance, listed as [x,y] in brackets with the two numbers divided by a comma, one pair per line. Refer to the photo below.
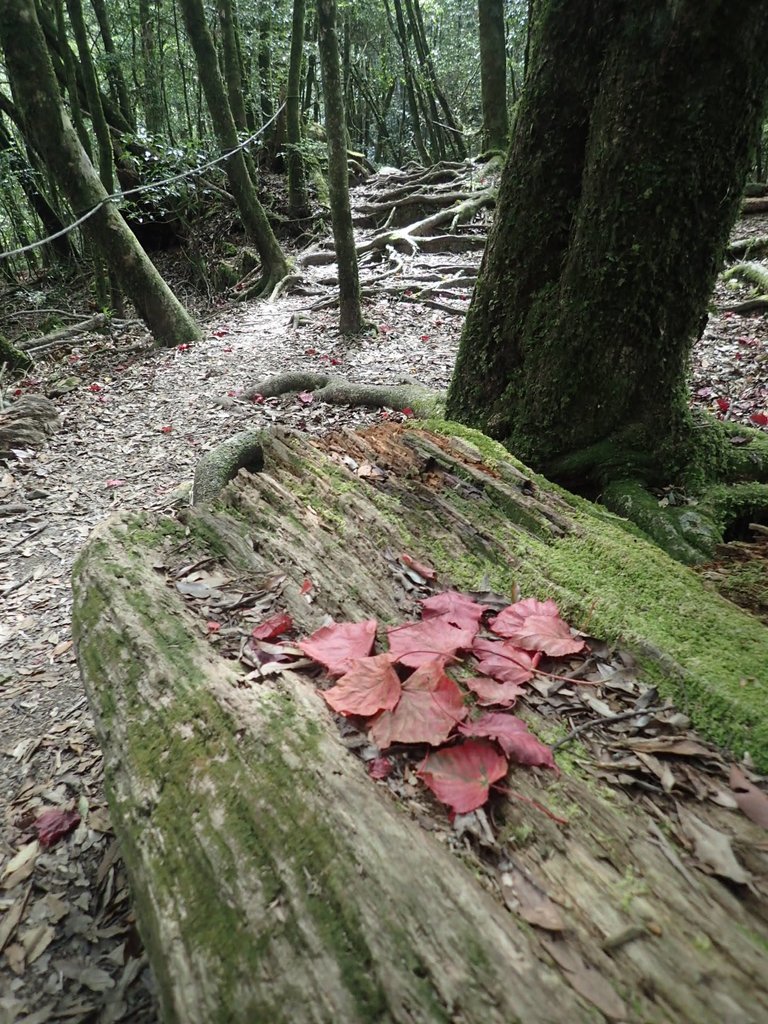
[119,196]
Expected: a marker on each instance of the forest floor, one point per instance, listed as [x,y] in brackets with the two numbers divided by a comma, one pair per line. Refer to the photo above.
[135,421]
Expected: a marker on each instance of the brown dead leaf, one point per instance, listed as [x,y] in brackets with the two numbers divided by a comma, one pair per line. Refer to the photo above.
[712,848]
[669,745]
[11,919]
[36,940]
[524,897]
[585,979]
[16,957]
[752,801]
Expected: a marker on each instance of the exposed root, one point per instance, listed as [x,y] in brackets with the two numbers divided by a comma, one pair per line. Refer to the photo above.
[338,391]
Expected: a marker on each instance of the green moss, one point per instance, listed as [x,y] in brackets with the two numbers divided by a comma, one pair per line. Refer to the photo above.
[638,598]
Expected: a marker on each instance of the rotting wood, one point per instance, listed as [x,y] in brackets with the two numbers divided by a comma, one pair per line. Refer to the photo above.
[271,875]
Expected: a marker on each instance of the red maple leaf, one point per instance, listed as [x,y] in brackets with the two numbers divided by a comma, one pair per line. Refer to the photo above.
[430,706]
[759,418]
[488,691]
[536,626]
[273,627]
[369,686]
[338,645]
[417,642]
[504,662]
[54,824]
[462,611]
[513,737]
[461,776]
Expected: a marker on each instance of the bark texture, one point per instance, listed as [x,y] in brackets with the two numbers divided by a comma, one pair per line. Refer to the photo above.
[275,881]
[298,199]
[631,146]
[34,84]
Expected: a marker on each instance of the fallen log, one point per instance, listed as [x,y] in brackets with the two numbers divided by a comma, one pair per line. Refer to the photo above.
[275,881]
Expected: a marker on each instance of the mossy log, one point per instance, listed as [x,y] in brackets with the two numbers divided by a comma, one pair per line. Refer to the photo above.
[274,881]
[27,423]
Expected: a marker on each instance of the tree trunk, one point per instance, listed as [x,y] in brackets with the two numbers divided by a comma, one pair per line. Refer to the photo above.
[493,73]
[298,200]
[275,881]
[350,315]
[151,92]
[622,181]
[232,75]
[34,85]
[114,66]
[255,222]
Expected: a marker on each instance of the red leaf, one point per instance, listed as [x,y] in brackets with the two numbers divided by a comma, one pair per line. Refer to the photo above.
[371,685]
[213,626]
[488,691]
[417,642]
[273,627]
[536,626]
[461,776]
[54,824]
[723,404]
[430,706]
[114,483]
[220,333]
[513,736]
[183,348]
[310,351]
[305,587]
[759,418]
[306,397]
[505,662]
[419,567]
[95,387]
[257,399]
[455,607]
[338,645]
[166,430]
[380,768]
[407,411]
[424,337]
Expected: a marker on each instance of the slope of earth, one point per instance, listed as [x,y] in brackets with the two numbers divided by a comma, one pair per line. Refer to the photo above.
[134,424]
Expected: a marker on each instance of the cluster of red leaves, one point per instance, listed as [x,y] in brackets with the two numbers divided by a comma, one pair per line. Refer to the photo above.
[405,695]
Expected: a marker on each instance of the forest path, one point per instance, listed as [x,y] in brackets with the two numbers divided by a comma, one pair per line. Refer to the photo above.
[133,429]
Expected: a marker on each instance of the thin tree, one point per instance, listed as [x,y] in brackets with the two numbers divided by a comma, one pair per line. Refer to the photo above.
[632,141]
[34,84]
[350,315]
[252,213]
[493,73]
[298,201]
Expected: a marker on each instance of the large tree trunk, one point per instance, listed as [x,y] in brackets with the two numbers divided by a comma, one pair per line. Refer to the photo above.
[34,85]
[252,213]
[152,99]
[350,315]
[632,141]
[493,73]
[274,881]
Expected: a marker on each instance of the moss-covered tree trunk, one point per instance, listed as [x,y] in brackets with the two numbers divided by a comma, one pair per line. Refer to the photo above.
[252,213]
[298,201]
[151,92]
[632,141]
[34,84]
[350,316]
[276,882]
[114,67]
[493,73]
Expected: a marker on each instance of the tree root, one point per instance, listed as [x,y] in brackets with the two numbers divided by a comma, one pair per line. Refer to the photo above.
[220,465]
[339,391]
[757,245]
